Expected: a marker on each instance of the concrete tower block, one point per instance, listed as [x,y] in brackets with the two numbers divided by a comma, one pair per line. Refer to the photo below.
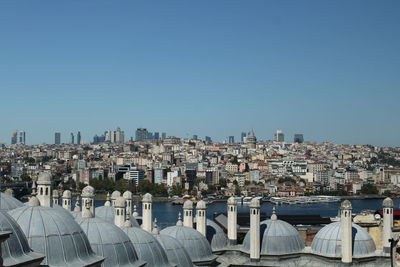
[255,230]
[66,200]
[88,199]
[120,211]
[232,220]
[147,216]
[387,224]
[346,228]
[201,218]
[44,189]
[188,213]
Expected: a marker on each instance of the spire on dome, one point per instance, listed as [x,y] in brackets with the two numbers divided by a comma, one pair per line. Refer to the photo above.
[155,231]
[273,216]
[135,213]
[179,222]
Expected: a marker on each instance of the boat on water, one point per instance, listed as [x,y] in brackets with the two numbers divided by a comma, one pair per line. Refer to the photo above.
[303,200]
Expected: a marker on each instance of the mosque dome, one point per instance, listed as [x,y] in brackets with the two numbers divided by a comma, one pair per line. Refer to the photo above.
[15,250]
[277,238]
[201,205]
[193,241]
[388,203]
[8,202]
[88,191]
[107,213]
[215,235]
[115,194]
[147,198]
[44,178]
[188,204]
[147,247]
[55,235]
[176,253]
[110,242]
[56,193]
[232,201]
[119,202]
[127,195]
[67,194]
[327,242]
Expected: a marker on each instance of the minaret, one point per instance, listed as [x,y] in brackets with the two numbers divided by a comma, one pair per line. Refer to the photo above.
[188,213]
[129,202]
[44,189]
[255,230]
[147,216]
[201,218]
[66,200]
[232,221]
[88,198]
[387,224]
[346,232]
[56,197]
[120,209]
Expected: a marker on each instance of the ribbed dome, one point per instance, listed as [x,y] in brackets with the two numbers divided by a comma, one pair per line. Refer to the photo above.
[109,241]
[176,253]
[277,238]
[327,242]
[15,250]
[215,236]
[193,241]
[8,202]
[107,213]
[147,247]
[55,235]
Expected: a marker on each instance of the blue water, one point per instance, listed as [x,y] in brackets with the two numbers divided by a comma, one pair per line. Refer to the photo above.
[167,214]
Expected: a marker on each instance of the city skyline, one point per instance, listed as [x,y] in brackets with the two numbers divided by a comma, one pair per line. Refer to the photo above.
[327,70]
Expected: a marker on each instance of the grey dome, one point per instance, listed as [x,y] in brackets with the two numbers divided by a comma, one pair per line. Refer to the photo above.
[63,211]
[8,202]
[115,194]
[193,241]
[176,253]
[328,240]
[147,198]
[55,235]
[15,250]
[232,201]
[107,213]
[127,194]
[67,194]
[277,238]
[188,204]
[88,191]
[147,247]
[215,235]
[388,203]
[109,241]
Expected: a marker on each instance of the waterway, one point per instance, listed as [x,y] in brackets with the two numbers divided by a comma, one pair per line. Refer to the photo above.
[167,214]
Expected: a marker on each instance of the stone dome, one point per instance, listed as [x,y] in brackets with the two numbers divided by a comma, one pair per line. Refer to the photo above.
[232,201]
[147,198]
[15,250]
[176,253]
[327,242]
[44,178]
[254,203]
[88,191]
[67,194]
[120,202]
[110,242]
[277,238]
[107,213]
[388,203]
[193,241]
[188,204]
[115,194]
[55,235]
[201,205]
[147,247]
[346,204]
[55,193]
[127,195]
[8,202]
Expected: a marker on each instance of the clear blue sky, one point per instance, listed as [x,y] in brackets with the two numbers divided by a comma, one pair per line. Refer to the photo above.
[327,69]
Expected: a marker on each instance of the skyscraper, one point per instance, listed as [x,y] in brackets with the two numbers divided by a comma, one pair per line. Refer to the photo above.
[195,137]
[141,134]
[231,139]
[243,137]
[279,136]
[208,139]
[72,138]
[156,136]
[78,138]
[117,136]
[57,138]
[298,138]
[18,137]
[14,138]
[163,135]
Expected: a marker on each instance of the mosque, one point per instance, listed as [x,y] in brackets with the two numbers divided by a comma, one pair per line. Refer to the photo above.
[48,231]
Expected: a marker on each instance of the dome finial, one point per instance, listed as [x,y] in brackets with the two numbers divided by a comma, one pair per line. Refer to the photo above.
[108,202]
[34,188]
[179,222]
[135,213]
[77,204]
[273,216]
[155,231]
[128,223]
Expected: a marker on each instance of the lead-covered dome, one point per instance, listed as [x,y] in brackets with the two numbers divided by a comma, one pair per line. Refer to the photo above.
[44,178]
[176,253]
[55,235]
[15,250]
[109,241]
[8,202]
[277,238]
[327,242]
[193,241]
[107,213]
[147,247]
